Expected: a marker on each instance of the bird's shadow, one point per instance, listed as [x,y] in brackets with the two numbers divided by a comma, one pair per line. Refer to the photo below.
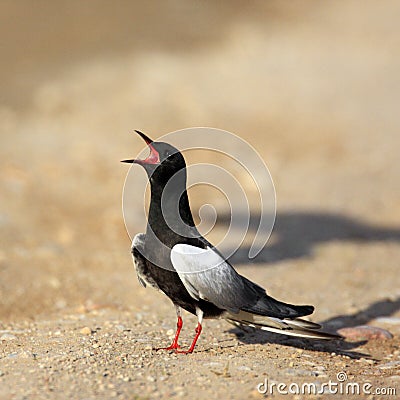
[378,309]
[295,234]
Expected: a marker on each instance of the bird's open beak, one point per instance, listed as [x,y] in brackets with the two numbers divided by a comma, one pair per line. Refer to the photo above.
[152,159]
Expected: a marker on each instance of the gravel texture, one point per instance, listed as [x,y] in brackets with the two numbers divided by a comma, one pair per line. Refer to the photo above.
[313,86]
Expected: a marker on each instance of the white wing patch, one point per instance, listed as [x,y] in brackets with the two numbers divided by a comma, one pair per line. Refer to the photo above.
[192,260]
[206,275]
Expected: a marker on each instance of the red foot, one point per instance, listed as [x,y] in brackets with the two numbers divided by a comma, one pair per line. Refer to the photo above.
[191,348]
[183,351]
[174,344]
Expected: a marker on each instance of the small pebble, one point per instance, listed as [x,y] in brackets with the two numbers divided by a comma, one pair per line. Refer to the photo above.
[120,327]
[213,364]
[255,394]
[299,372]
[390,365]
[86,331]
[365,332]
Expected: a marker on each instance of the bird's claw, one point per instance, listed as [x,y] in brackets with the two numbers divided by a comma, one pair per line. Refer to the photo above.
[183,351]
[172,347]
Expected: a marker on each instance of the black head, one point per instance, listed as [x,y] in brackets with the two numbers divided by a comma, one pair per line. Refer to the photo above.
[163,162]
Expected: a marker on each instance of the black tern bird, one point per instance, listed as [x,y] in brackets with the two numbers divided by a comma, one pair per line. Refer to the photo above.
[174,258]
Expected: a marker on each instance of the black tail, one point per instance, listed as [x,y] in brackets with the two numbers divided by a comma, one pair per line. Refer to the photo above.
[270,307]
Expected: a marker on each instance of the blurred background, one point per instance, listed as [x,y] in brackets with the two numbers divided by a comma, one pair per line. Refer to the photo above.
[313,86]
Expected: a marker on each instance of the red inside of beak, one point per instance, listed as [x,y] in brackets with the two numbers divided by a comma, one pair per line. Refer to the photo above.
[153,158]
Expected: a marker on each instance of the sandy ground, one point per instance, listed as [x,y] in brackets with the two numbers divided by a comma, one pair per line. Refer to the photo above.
[313,86]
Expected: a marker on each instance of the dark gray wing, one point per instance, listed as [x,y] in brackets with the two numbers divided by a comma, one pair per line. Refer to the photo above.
[206,275]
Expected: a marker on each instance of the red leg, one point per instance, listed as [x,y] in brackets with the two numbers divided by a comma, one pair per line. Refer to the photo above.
[191,348]
[174,344]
